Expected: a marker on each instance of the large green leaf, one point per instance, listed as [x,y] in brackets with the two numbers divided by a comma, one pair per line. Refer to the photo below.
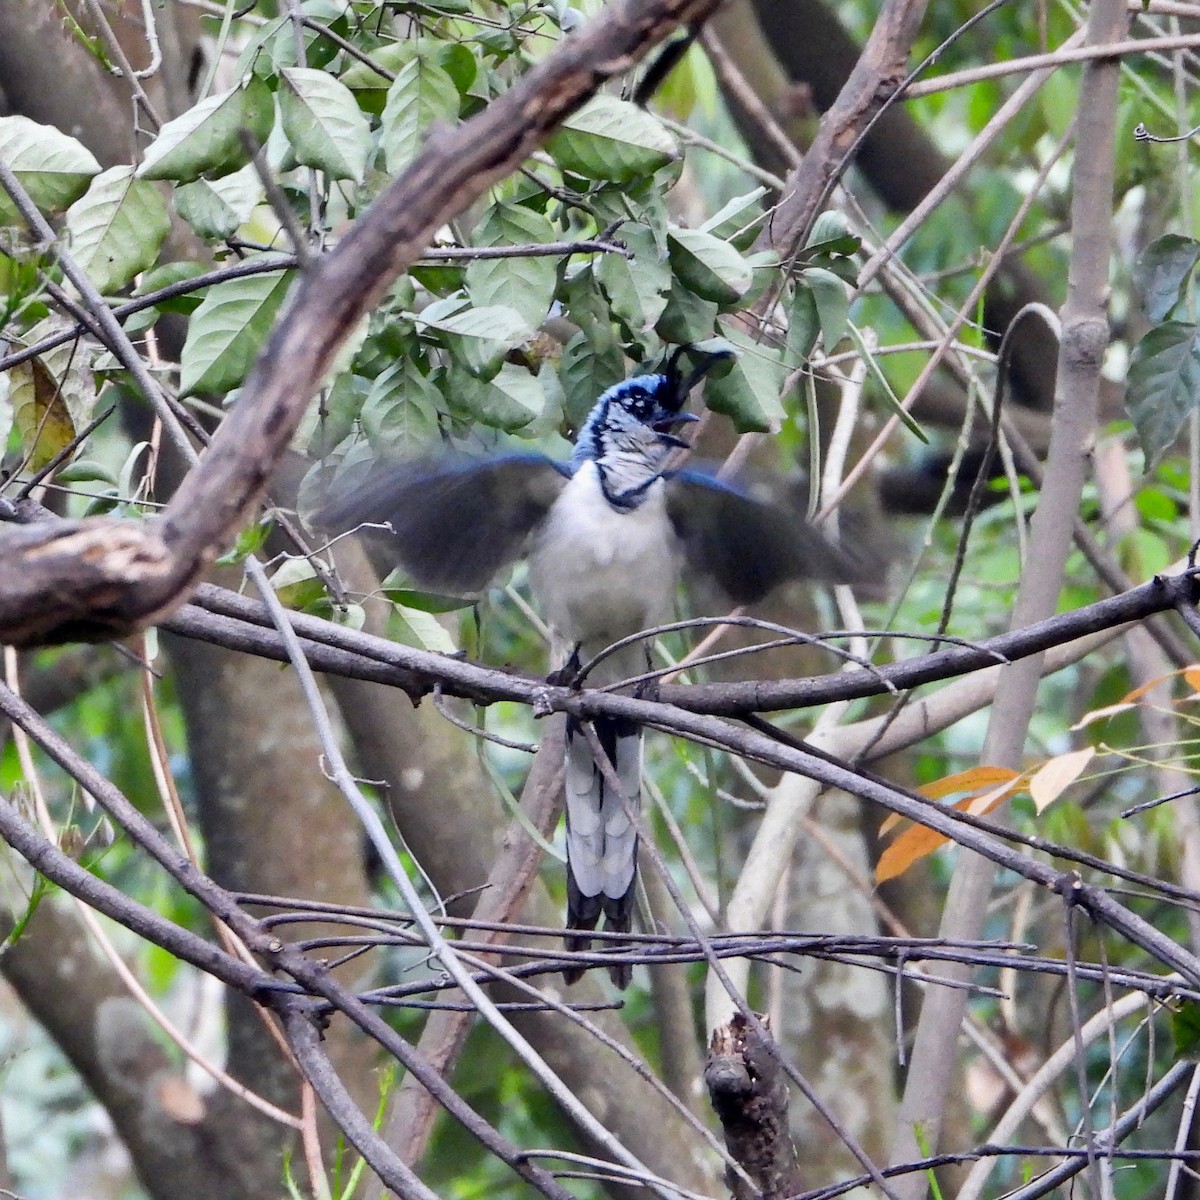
[207,139]
[526,284]
[637,287]
[324,125]
[1162,271]
[510,400]
[217,208]
[117,228]
[804,324]
[423,92]
[750,394]
[688,317]
[52,167]
[612,139]
[228,329]
[478,338]
[1163,384]
[585,371]
[832,301]
[401,410]
[711,268]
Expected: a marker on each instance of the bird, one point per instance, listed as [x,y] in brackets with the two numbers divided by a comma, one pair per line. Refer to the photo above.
[608,536]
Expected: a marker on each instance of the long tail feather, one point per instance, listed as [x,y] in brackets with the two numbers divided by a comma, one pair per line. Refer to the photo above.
[602,841]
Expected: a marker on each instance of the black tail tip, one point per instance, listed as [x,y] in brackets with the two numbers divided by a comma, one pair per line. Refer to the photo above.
[585,918]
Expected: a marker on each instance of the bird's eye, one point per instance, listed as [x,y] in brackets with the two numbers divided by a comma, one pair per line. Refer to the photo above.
[638,402]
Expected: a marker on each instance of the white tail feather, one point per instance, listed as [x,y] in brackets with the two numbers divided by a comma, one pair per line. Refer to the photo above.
[601,836]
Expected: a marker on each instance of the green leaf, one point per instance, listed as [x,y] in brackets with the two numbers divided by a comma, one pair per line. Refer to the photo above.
[401,410]
[423,92]
[885,387]
[331,421]
[510,400]
[218,208]
[526,284]
[430,602]
[117,228]
[637,287]
[479,338]
[687,316]
[1163,385]
[359,77]
[830,237]
[737,222]
[416,628]
[1161,273]
[804,324]
[296,584]
[750,394]
[370,87]
[85,471]
[1185,1029]
[169,273]
[711,268]
[158,278]
[833,304]
[52,167]
[207,139]
[584,371]
[324,125]
[228,329]
[461,65]
[612,139]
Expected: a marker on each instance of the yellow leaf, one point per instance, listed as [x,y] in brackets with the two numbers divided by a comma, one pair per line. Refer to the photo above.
[1192,675]
[1053,778]
[39,412]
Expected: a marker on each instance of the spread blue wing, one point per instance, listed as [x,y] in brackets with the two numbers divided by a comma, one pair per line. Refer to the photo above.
[454,521]
[749,546]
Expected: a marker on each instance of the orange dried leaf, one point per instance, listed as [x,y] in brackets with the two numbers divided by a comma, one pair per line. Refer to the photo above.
[911,845]
[980,806]
[1126,702]
[967,781]
[962,781]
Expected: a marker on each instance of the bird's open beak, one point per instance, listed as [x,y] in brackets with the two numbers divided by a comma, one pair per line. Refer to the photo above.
[663,424]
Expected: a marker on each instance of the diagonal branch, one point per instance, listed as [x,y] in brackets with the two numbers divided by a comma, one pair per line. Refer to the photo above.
[98,578]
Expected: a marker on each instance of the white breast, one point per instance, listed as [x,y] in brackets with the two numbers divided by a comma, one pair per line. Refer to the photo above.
[601,573]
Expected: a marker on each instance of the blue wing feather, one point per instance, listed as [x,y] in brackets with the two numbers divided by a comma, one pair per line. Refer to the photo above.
[749,546]
[455,521]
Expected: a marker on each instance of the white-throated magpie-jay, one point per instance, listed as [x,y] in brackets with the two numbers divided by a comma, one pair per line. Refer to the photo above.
[607,536]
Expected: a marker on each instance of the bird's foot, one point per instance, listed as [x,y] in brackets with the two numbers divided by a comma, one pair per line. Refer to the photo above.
[647,690]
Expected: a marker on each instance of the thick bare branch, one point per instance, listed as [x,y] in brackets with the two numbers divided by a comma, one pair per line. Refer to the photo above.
[750,1097]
